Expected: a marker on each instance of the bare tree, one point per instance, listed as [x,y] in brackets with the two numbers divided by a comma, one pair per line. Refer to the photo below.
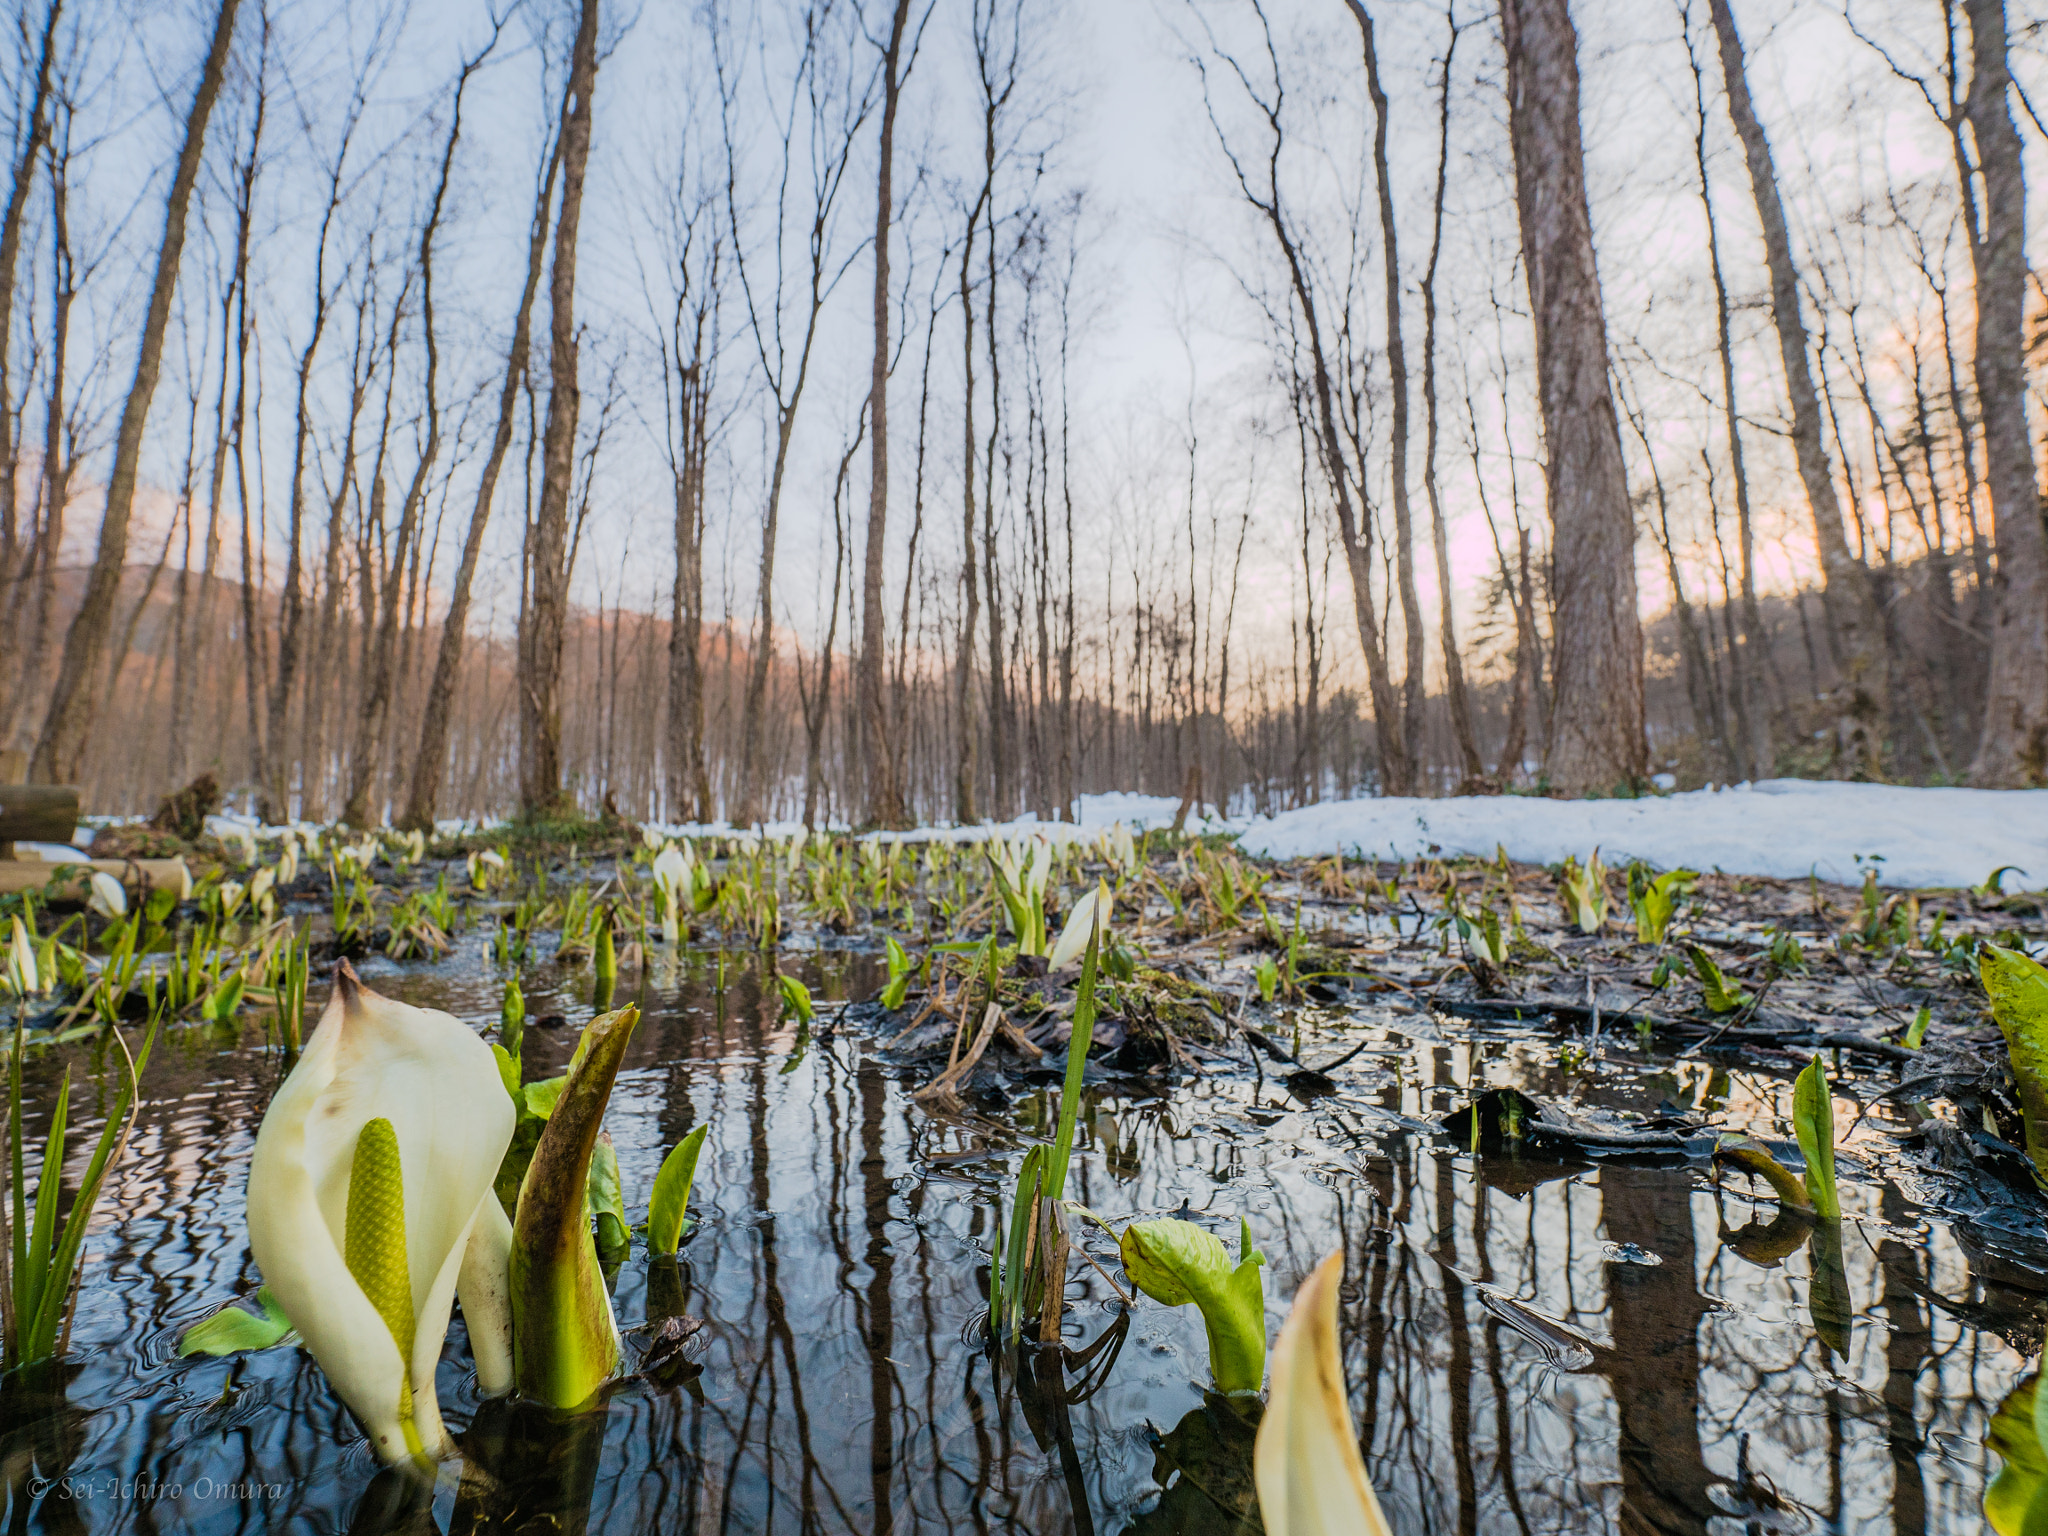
[61,747]
[884,795]
[35,135]
[1855,624]
[836,110]
[689,349]
[1597,739]
[1474,767]
[373,712]
[2014,748]
[431,763]
[1397,378]
[195,629]
[1303,323]
[544,619]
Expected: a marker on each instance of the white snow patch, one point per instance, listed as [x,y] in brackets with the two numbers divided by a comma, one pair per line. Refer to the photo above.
[1786,828]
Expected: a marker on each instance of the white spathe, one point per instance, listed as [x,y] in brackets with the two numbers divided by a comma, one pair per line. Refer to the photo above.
[1080,927]
[437,1083]
[1310,1477]
[671,874]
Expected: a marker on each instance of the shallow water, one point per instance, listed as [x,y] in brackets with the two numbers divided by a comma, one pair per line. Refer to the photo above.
[1530,1347]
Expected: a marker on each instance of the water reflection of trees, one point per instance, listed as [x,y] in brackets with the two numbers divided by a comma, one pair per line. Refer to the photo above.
[839,1273]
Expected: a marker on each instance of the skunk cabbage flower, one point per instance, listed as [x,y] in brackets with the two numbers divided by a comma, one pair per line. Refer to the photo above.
[671,875]
[1090,913]
[107,899]
[1310,1478]
[370,1208]
[22,976]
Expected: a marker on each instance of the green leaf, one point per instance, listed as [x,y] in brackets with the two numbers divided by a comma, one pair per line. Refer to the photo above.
[223,1000]
[512,1018]
[1177,1263]
[1916,1032]
[508,1073]
[232,1330]
[540,1098]
[2014,1436]
[2018,988]
[668,1205]
[1752,1157]
[604,1198]
[1722,995]
[565,1343]
[796,998]
[1813,1119]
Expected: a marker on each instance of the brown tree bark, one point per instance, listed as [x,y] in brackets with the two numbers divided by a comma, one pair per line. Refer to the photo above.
[1396,769]
[60,749]
[544,621]
[13,547]
[966,768]
[2013,750]
[193,636]
[1414,646]
[1855,625]
[1597,740]
[1472,765]
[691,354]
[884,794]
[371,719]
[431,763]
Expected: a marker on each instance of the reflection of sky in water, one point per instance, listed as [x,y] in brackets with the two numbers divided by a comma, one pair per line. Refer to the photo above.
[841,1390]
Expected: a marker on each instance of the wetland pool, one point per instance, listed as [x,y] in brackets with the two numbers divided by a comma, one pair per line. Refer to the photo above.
[1555,1347]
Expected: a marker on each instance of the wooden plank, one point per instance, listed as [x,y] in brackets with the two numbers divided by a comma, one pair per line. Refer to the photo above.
[13,766]
[140,876]
[38,813]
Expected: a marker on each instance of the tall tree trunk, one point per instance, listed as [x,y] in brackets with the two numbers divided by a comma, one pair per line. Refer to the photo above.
[1597,739]
[1473,765]
[545,620]
[194,636]
[1749,659]
[884,794]
[689,783]
[366,759]
[13,546]
[60,750]
[1854,622]
[1412,683]
[966,770]
[2013,750]
[431,764]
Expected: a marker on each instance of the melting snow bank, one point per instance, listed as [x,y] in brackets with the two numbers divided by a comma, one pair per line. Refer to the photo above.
[1788,828]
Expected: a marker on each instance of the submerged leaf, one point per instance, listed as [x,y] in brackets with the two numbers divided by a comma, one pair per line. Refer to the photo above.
[232,1330]
[1176,1263]
[1311,1478]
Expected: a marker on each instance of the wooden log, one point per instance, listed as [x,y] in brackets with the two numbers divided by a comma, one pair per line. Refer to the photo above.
[139,876]
[37,813]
